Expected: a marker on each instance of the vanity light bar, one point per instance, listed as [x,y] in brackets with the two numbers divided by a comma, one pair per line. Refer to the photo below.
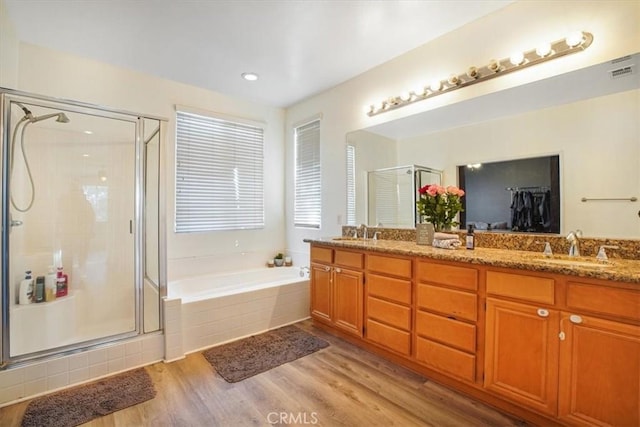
[573,43]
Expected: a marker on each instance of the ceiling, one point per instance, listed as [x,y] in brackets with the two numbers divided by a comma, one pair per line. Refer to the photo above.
[298,47]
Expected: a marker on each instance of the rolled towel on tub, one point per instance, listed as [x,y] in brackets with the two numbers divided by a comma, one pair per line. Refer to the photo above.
[446,243]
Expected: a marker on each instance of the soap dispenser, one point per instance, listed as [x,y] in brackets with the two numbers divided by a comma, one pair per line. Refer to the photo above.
[470,239]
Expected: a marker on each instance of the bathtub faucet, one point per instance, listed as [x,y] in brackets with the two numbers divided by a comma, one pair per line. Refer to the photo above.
[304,271]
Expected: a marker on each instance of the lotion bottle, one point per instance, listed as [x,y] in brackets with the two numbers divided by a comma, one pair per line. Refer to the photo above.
[26,289]
[50,285]
[62,283]
[470,240]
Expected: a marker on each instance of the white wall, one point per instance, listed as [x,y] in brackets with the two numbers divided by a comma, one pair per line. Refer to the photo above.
[8,50]
[596,138]
[85,80]
[518,26]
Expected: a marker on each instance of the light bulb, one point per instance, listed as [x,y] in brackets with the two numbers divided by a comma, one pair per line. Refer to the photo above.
[405,96]
[516,58]
[252,77]
[419,91]
[574,39]
[435,85]
[494,65]
[472,72]
[543,49]
[378,106]
[368,109]
[453,80]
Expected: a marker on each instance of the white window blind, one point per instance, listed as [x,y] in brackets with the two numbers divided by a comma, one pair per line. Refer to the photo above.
[219,174]
[308,197]
[351,185]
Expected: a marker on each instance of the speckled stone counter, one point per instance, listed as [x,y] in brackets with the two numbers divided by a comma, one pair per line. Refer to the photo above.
[623,270]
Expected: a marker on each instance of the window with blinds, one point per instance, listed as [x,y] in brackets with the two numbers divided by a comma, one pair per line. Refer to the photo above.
[308,198]
[219,174]
[351,185]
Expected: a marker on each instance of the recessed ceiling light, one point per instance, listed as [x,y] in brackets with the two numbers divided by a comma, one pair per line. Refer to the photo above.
[252,77]
[88,132]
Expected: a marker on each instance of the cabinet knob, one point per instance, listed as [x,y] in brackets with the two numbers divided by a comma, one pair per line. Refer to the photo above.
[338,270]
[327,269]
[574,318]
[543,312]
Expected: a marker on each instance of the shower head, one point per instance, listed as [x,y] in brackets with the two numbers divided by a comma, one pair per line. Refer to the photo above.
[27,112]
[60,118]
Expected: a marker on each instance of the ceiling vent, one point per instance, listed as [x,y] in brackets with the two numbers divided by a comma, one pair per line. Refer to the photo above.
[622,72]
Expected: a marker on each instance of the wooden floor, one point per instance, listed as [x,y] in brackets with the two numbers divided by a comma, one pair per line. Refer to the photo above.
[341,385]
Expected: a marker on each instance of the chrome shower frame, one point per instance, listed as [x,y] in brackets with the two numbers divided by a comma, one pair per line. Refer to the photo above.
[9,96]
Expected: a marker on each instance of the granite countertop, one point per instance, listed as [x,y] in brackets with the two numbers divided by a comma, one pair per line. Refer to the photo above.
[622,270]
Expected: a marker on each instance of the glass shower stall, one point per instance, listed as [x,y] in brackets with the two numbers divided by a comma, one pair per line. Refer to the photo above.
[392,194]
[81,226]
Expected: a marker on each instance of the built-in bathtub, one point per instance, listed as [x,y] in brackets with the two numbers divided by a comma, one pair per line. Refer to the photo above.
[208,310]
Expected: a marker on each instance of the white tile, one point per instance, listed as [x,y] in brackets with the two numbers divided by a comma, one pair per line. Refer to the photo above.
[57,366]
[98,370]
[8,394]
[35,372]
[35,387]
[12,377]
[133,360]
[115,352]
[78,375]
[151,356]
[97,356]
[77,361]
[57,381]
[134,347]
[115,365]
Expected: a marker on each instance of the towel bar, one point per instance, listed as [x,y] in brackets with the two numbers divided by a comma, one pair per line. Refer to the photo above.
[631,199]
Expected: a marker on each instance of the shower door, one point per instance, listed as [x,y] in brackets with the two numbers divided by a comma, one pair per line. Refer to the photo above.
[73,204]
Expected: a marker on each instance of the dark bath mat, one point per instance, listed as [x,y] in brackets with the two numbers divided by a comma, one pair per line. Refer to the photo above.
[82,404]
[245,358]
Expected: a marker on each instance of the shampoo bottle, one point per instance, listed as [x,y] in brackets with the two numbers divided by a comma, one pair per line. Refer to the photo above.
[39,295]
[26,289]
[470,240]
[62,283]
[50,285]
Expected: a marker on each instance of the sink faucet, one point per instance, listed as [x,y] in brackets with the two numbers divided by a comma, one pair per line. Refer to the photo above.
[574,239]
[364,231]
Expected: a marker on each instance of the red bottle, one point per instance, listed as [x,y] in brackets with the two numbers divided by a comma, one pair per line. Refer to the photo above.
[62,283]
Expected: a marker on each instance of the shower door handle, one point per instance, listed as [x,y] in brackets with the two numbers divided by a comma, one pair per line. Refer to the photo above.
[16,223]
[130,226]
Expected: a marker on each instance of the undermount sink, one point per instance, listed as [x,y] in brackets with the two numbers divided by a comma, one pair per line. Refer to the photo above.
[347,238]
[577,262]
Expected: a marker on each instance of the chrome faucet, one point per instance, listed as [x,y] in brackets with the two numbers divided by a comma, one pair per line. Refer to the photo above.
[364,232]
[574,239]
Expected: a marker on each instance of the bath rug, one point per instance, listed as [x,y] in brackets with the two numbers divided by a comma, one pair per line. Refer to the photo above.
[247,357]
[84,403]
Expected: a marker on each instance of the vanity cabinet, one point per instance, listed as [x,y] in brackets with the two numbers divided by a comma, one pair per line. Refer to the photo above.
[337,280]
[600,358]
[446,316]
[388,311]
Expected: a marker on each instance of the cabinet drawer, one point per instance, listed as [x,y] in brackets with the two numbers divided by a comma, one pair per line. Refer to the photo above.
[388,312]
[446,359]
[389,337]
[457,304]
[450,275]
[448,331]
[400,267]
[601,299]
[349,259]
[528,288]
[324,255]
[397,290]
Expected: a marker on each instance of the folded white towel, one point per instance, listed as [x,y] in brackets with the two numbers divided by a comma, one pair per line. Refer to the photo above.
[446,243]
[445,236]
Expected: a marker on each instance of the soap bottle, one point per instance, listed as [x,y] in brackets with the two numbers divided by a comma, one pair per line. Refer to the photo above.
[470,240]
[50,285]
[39,295]
[62,283]
[26,289]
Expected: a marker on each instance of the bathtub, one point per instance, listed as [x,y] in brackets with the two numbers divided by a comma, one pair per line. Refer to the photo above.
[208,310]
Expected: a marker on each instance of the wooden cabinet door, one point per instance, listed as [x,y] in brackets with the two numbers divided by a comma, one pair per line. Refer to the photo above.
[321,281]
[521,354]
[599,372]
[348,300]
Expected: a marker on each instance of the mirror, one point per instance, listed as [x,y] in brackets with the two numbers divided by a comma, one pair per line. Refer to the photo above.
[589,118]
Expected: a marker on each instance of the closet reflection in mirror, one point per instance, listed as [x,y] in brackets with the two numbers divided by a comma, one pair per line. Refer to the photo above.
[515,195]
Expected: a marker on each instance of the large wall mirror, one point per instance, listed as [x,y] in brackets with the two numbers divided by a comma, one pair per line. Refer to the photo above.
[588,119]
